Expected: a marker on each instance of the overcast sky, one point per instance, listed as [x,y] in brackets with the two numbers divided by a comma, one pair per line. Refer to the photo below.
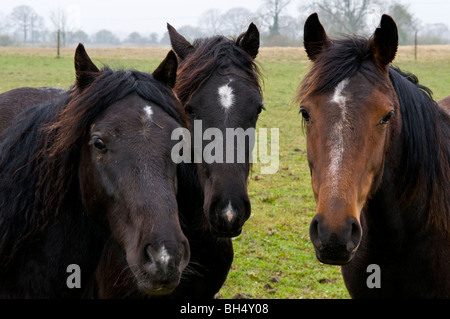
[146,16]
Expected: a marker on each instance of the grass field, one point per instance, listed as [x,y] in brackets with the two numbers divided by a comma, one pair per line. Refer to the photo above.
[273,256]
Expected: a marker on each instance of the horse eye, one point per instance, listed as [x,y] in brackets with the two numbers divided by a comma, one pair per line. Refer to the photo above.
[305,115]
[258,111]
[385,120]
[188,109]
[260,108]
[99,144]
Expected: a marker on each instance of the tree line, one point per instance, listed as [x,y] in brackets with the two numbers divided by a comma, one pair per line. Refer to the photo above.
[278,23]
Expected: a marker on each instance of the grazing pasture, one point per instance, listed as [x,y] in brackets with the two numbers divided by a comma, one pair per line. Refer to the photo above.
[274,257]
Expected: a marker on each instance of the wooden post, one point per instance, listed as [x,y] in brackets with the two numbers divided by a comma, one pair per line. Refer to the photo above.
[58,41]
[415,45]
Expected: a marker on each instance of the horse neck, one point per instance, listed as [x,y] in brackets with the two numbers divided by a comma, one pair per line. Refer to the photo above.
[190,197]
[408,200]
[44,256]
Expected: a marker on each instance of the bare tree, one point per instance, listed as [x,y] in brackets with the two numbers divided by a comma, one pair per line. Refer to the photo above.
[190,32]
[4,26]
[135,38]
[362,16]
[236,20]
[290,26]
[105,37]
[59,20]
[344,16]
[5,39]
[210,22]
[27,21]
[406,23]
[77,36]
[437,33]
[271,11]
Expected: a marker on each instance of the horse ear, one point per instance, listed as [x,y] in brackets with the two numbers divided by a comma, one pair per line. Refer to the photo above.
[166,72]
[315,38]
[180,45]
[385,41]
[249,40]
[85,69]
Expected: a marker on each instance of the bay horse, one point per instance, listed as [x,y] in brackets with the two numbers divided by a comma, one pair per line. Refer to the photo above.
[218,83]
[89,166]
[378,149]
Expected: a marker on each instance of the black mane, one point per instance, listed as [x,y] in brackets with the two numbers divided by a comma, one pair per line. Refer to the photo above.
[425,169]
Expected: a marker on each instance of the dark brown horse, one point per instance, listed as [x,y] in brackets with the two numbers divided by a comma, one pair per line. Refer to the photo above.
[379,152]
[15,101]
[218,85]
[87,166]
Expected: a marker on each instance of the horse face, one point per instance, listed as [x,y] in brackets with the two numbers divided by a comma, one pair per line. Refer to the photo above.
[225,109]
[347,136]
[227,97]
[129,185]
[348,128]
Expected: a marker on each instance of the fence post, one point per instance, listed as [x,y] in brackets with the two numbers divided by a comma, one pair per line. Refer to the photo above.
[415,45]
[58,44]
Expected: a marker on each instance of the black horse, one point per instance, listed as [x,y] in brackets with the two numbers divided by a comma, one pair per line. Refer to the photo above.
[218,84]
[379,152]
[88,166]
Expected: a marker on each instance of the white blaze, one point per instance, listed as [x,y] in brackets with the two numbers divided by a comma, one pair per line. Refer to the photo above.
[337,138]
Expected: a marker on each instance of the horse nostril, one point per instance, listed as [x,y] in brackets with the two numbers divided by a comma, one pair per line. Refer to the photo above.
[185,255]
[314,233]
[149,252]
[355,235]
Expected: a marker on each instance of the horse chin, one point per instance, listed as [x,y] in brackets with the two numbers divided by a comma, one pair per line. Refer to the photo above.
[225,233]
[221,228]
[153,284]
[153,287]
[156,290]
[337,262]
[335,259]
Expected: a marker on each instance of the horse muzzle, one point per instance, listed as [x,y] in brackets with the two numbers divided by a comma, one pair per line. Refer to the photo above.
[335,246]
[163,265]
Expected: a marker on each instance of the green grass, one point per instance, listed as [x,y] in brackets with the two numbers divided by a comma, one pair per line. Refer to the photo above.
[18,70]
[274,257]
